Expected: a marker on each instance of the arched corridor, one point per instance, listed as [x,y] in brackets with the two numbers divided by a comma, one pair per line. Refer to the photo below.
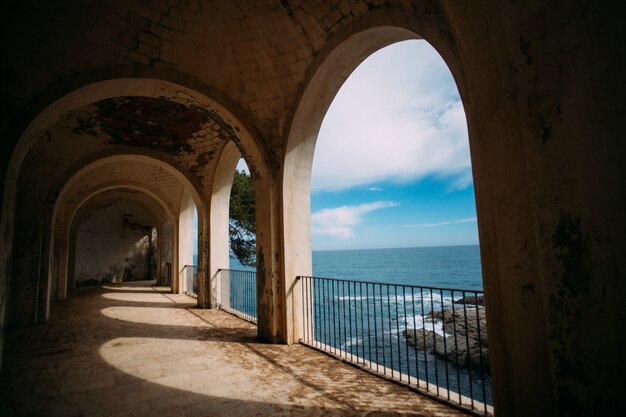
[163,97]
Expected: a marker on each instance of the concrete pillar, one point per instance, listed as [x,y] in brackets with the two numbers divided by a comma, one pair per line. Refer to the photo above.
[219,253]
[159,268]
[296,235]
[271,283]
[175,249]
[185,239]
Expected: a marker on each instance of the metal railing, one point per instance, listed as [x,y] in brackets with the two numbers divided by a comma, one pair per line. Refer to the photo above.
[432,339]
[237,293]
[189,275]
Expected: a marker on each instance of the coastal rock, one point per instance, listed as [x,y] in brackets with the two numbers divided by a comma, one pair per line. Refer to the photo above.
[465,341]
[471,300]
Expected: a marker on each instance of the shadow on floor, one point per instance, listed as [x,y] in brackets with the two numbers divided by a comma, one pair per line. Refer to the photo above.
[104,354]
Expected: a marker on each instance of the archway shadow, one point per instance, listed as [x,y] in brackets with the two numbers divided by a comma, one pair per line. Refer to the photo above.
[87,361]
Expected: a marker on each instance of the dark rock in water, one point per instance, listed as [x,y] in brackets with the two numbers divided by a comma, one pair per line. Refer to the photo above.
[105,281]
[425,340]
[465,343]
[471,300]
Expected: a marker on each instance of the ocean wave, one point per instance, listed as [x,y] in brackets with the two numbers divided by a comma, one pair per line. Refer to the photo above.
[429,301]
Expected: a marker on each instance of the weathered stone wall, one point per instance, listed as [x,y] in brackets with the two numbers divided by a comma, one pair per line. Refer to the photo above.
[114,244]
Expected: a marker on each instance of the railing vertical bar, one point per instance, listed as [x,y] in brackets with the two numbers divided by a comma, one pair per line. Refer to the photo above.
[480,350]
[469,374]
[322,294]
[334,319]
[395,289]
[306,308]
[432,315]
[338,318]
[456,347]
[310,315]
[356,321]
[345,325]
[445,346]
[390,331]
[362,323]
[417,368]
[330,333]
[406,328]
[369,326]
[314,325]
[424,340]
[382,329]
[314,310]
[375,326]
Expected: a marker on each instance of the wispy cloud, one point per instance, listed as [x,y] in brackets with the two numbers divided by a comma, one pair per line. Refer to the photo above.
[375,189]
[339,222]
[397,122]
[446,223]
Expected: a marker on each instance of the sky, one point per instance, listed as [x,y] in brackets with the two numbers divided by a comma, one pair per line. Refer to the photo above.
[392,164]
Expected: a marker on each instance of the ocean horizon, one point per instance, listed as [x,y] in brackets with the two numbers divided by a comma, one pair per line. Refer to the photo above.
[435,266]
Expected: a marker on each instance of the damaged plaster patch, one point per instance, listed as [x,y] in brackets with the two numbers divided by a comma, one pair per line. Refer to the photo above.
[546,130]
[574,253]
[158,124]
[178,126]
[148,122]
[129,224]
[569,302]
[524,47]
[230,133]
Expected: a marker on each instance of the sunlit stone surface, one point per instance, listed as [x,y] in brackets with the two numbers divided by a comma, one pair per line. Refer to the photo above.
[136,350]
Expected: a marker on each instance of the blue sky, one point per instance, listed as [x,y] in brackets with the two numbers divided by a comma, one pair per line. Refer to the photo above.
[392,165]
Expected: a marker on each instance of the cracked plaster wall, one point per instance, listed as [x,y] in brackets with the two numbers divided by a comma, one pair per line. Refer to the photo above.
[114,243]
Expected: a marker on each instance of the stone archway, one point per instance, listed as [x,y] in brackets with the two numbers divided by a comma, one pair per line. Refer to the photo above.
[88,181]
[64,229]
[502,295]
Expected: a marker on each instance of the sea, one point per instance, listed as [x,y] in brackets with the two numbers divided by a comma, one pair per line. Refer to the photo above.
[437,266]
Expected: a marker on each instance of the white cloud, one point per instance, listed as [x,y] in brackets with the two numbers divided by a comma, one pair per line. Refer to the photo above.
[446,223]
[398,117]
[339,222]
[375,189]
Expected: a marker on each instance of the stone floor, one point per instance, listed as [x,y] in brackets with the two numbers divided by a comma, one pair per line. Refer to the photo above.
[135,350]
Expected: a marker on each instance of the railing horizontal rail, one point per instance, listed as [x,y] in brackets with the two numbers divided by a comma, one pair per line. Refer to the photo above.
[391,284]
[432,339]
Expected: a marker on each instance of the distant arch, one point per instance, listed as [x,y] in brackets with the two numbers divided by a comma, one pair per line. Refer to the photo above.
[137,199]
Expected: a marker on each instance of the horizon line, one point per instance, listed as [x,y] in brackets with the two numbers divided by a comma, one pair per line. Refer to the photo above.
[396,247]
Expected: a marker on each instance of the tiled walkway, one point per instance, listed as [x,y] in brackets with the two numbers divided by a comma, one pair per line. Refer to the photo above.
[135,350]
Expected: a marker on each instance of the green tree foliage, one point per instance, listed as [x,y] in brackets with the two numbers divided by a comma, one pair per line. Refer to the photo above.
[241,222]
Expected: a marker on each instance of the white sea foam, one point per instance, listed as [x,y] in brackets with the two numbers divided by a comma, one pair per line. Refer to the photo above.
[351,342]
[420,322]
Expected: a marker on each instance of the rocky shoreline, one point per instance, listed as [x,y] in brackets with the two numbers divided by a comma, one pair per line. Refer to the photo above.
[469,349]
